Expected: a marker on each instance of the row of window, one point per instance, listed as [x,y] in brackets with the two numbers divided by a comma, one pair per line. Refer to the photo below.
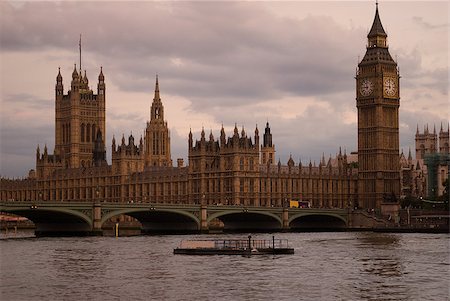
[87,132]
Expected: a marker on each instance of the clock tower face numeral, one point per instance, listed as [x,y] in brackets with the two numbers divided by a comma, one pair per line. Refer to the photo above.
[389,87]
[366,87]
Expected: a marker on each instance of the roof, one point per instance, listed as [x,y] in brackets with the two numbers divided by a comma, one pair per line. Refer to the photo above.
[377,28]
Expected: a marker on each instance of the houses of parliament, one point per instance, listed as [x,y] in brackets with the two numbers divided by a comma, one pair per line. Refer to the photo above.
[237,168]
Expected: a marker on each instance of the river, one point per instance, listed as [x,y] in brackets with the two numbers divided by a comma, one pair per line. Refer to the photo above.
[325,266]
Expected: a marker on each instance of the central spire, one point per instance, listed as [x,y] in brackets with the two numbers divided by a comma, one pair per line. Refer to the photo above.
[157,109]
[157,98]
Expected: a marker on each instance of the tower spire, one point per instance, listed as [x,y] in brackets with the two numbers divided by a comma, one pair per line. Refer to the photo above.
[157,89]
[377,35]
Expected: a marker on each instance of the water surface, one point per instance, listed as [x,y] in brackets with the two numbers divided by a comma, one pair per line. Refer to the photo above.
[325,266]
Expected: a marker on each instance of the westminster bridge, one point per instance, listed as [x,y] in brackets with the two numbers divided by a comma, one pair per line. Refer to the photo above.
[87,218]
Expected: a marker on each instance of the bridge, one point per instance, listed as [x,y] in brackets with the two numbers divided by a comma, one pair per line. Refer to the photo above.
[87,218]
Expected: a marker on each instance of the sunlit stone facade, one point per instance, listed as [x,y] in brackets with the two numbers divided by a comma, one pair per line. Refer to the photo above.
[232,170]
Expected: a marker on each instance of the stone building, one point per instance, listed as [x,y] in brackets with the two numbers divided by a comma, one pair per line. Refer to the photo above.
[235,170]
[425,175]
[378,101]
[157,138]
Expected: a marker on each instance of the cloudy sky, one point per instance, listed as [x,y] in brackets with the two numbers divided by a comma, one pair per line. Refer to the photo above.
[289,63]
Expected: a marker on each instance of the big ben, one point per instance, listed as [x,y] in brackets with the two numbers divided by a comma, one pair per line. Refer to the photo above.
[378,102]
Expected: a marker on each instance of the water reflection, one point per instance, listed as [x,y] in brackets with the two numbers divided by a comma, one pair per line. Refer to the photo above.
[79,262]
[381,267]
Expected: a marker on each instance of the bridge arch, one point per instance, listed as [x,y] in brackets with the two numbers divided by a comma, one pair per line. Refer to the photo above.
[317,221]
[247,220]
[55,221]
[159,219]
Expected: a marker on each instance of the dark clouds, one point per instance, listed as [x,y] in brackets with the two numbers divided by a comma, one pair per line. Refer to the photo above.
[237,50]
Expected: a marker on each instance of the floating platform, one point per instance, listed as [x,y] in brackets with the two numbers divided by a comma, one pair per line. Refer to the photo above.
[234,247]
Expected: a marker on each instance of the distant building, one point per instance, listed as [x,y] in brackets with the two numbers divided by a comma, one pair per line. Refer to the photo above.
[424,176]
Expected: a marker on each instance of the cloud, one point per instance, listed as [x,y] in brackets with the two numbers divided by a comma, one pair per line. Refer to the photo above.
[243,52]
[427,25]
[218,63]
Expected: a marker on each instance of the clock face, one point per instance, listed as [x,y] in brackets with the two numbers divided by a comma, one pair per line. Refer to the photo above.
[390,87]
[366,87]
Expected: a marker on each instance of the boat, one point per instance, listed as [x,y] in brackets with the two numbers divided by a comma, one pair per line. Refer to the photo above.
[234,247]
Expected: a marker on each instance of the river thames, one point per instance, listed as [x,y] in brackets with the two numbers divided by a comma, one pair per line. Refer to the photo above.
[325,266]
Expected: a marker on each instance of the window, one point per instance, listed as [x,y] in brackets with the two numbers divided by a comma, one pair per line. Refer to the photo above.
[82,132]
[88,133]
[93,133]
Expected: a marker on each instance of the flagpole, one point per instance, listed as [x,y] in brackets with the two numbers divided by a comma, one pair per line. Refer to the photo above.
[80,52]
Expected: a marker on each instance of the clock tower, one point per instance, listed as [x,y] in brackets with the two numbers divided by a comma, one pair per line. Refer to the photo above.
[377,101]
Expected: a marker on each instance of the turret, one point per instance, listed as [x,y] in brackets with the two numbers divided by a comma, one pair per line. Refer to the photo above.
[203,134]
[267,149]
[75,84]
[236,132]
[257,136]
[267,139]
[291,162]
[222,137]
[101,83]
[99,152]
[38,153]
[190,139]
[59,85]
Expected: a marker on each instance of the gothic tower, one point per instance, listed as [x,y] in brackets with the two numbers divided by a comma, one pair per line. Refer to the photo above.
[267,148]
[78,116]
[377,101]
[157,138]
[426,143]
[444,140]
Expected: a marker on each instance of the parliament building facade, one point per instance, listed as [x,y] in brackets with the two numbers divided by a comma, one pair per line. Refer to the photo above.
[238,169]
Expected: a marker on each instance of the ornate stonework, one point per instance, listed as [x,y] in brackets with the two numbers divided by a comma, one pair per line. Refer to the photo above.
[378,101]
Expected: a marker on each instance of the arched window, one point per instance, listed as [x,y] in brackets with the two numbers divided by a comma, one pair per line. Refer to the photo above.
[82,132]
[68,133]
[93,133]
[63,133]
[88,132]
